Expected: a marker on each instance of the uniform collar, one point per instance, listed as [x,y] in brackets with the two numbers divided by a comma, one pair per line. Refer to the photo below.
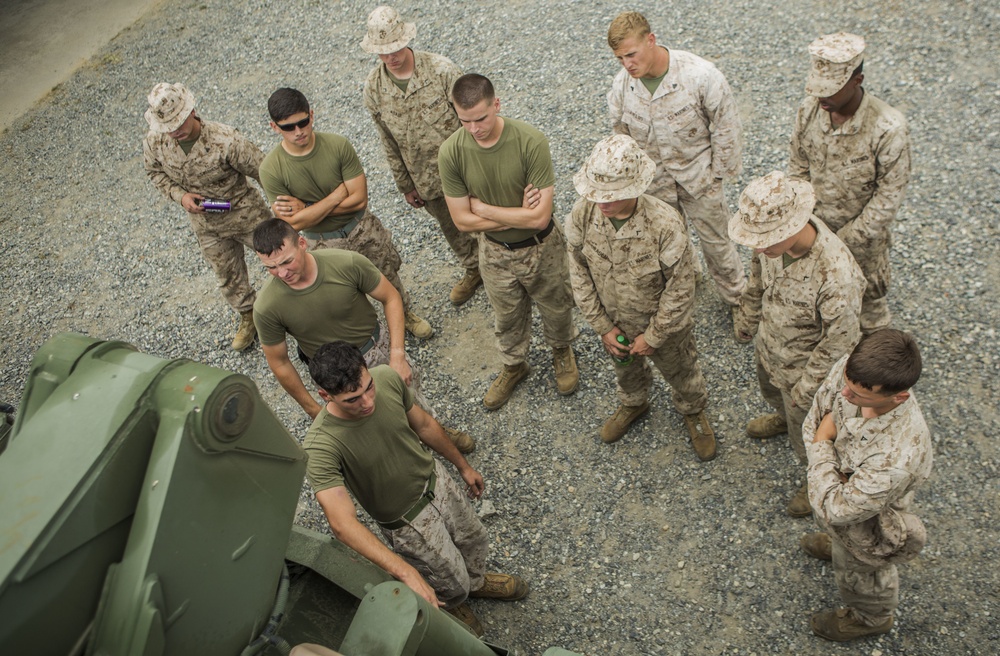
[867,430]
[801,269]
[667,85]
[851,125]
[634,228]
[416,81]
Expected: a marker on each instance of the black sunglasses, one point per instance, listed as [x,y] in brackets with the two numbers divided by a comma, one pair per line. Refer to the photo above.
[288,127]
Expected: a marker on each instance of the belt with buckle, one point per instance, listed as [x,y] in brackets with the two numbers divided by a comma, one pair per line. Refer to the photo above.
[336,234]
[530,241]
[364,348]
[411,514]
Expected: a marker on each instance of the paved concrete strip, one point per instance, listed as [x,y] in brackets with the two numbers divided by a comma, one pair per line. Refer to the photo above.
[44,41]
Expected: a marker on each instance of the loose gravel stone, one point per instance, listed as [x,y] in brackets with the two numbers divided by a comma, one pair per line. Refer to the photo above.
[630,548]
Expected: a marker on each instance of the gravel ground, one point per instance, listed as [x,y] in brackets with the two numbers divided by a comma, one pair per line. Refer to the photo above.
[635,548]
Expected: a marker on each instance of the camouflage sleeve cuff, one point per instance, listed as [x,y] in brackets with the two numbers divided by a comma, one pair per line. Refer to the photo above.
[820,453]
[603,325]
[652,339]
[802,396]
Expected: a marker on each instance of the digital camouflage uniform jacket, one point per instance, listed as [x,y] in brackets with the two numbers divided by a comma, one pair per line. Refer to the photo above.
[672,125]
[859,172]
[805,316]
[217,167]
[413,124]
[885,459]
[640,278]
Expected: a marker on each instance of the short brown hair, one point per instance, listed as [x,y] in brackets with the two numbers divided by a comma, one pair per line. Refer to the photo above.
[889,358]
[271,234]
[627,24]
[471,89]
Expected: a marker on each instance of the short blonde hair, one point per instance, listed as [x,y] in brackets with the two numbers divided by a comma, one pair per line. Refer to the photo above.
[627,24]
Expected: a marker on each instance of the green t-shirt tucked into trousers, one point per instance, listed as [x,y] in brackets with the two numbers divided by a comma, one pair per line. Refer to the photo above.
[497,175]
[314,176]
[379,458]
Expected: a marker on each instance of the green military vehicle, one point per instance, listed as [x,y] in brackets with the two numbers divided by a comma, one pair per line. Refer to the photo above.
[147,509]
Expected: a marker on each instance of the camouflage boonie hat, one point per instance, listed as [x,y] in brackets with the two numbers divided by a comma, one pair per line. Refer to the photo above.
[387,33]
[771,209]
[617,169]
[169,106]
[834,58]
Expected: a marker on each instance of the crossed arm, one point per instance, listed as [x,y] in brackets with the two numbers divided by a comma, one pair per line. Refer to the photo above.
[350,196]
[473,215]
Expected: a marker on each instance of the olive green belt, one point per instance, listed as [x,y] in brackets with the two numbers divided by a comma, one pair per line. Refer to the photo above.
[411,514]
[335,234]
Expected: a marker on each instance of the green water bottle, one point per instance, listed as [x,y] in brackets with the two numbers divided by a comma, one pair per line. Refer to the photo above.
[628,359]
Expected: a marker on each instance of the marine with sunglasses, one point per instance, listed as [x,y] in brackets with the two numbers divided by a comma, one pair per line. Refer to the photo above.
[315,182]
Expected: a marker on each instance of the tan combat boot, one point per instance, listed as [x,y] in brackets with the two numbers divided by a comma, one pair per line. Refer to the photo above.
[466,288]
[841,625]
[245,332]
[501,389]
[817,545]
[462,440]
[702,435]
[767,426]
[505,587]
[799,506]
[618,423]
[417,327]
[464,614]
[741,338]
[567,375]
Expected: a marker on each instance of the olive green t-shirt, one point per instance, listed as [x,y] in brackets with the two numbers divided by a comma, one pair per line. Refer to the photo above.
[334,307]
[400,84]
[186,146]
[313,177]
[497,175]
[787,260]
[652,84]
[379,458]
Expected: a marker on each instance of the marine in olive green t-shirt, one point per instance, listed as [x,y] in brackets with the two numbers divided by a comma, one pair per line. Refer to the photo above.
[379,458]
[335,306]
[313,176]
[497,175]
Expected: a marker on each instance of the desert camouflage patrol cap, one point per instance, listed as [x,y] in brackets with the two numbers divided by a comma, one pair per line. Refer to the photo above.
[617,169]
[169,106]
[834,58]
[387,33]
[771,209]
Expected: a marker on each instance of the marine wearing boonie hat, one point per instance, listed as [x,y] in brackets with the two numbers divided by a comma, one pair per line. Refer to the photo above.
[771,209]
[169,106]
[617,169]
[387,33]
[834,59]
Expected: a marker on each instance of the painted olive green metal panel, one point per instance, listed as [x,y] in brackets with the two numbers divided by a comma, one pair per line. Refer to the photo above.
[334,560]
[176,471]
[147,509]
[68,480]
[392,619]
